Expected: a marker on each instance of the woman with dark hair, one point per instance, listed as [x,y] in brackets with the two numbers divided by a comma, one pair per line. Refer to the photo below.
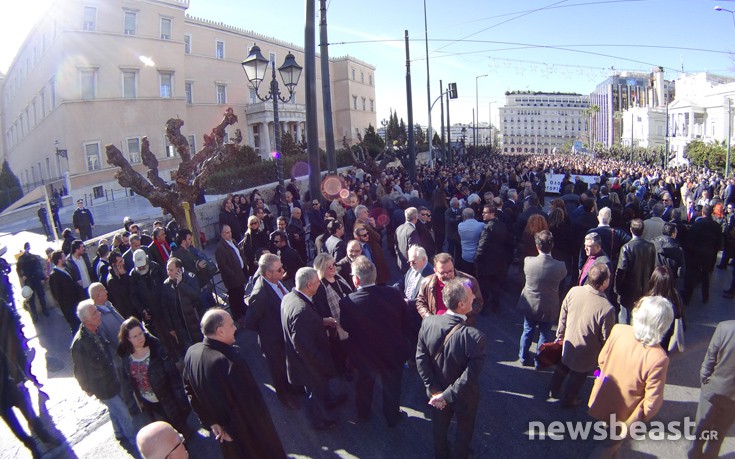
[153,376]
[438,207]
[663,283]
[68,236]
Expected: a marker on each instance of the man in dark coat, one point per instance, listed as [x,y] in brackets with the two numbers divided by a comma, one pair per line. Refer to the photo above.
[290,258]
[316,214]
[177,316]
[146,284]
[450,368]
[32,274]
[335,245]
[635,266]
[264,317]
[228,217]
[224,394]
[308,356]
[493,257]
[716,409]
[452,217]
[83,221]
[376,318]
[233,268]
[703,243]
[406,236]
[65,291]
[426,233]
[668,251]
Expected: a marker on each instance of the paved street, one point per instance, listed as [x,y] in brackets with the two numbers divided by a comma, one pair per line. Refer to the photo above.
[513,395]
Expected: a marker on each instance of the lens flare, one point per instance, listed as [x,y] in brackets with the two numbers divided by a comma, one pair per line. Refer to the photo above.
[300,169]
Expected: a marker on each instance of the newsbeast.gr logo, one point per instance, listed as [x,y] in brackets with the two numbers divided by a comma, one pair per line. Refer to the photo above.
[617,430]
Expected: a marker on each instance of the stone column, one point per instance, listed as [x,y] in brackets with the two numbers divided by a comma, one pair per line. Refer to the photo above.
[265,140]
[298,131]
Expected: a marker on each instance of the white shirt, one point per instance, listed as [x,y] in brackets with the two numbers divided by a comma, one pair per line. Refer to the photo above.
[83,273]
[237,252]
[452,313]
[275,287]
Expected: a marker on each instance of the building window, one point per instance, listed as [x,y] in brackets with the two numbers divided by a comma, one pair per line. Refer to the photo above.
[188,91]
[92,152]
[187,43]
[170,150]
[134,150]
[354,102]
[129,25]
[272,57]
[221,94]
[166,85]
[42,96]
[256,138]
[371,79]
[353,74]
[88,81]
[52,87]
[192,144]
[364,104]
[129,89]
[165,29]
[90,18]
[219,49]
[372,105]
[362,77]
[35,113]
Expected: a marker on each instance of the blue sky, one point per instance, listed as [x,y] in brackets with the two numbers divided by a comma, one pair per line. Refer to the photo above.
[517,44]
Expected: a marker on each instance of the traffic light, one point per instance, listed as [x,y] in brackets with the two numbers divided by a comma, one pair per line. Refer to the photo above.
[452,90]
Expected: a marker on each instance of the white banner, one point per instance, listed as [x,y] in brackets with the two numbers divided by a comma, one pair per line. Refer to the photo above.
[553,181]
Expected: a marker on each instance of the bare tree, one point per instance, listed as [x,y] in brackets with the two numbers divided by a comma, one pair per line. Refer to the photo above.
[364,161]
[188,179]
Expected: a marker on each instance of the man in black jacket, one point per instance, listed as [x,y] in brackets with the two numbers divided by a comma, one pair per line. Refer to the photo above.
[264,317]
[703,243]
[146,284]
[668,251]
[31,273]
[449,358]
[65,291]
[637,262]
[94,370]
[493,257]
[377,320]
[177,315]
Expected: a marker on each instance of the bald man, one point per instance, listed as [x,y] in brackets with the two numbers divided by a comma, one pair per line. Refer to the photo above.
[159,440]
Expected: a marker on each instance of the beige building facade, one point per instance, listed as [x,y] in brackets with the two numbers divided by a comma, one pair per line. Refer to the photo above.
[96,72]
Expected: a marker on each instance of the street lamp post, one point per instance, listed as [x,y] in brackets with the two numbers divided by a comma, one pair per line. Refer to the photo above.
[719,8]
[477,107]
[255,66]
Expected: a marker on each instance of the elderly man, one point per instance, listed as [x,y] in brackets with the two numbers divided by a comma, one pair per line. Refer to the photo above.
[376,318]
[406,236]
[160,440]
[308,354]
[225,395]
[539,300]
[159,250]
[585,322]
[411,283]
[234,273]
[135,244]
[449,358]
[93,367]
[111,319]
[594,255]
[611,239]
[430,301]
[636,264]
[264,317]
[344,265]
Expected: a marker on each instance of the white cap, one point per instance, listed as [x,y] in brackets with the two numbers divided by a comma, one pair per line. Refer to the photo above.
[140,258]
[26,292]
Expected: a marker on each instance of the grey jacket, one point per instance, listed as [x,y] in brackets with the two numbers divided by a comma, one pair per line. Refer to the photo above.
[539,298]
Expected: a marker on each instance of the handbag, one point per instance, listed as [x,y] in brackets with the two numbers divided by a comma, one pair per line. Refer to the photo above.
[677,338]
[549,354]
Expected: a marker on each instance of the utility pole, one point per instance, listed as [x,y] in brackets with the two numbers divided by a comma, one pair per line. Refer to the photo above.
[444,153]
[326,90]
[729,134]
[411,142]
[428,89]
[450,153]
[632,142]
[312,131]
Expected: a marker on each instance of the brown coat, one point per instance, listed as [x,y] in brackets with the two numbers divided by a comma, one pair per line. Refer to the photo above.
[426,301]
[632,379]
[584,325]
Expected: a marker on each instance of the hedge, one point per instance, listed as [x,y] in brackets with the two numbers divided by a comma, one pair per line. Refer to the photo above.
[231,179]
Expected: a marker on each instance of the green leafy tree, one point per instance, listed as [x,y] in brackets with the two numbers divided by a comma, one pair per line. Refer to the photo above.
[10,189]
[289,147]
[697,152]
[373,142]
[402,133]
[420,134]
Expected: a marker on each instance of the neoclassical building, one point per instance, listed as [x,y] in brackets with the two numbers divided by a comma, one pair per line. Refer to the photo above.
[94,72]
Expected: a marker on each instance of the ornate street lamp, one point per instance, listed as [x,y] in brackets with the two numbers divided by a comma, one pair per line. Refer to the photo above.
[255,67]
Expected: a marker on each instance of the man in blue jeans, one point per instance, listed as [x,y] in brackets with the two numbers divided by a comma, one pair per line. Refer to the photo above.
[539,300]
[94,370]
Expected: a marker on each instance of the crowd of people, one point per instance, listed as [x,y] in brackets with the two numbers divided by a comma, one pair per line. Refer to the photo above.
[393,274]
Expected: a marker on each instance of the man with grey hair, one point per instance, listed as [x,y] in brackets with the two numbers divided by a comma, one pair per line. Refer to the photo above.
[653,226]
[344,265]
[449,358]
[225,395]
[308,354]
[377,320]
[611,239]
[263,316]
[406,236]
[94,370]
[593,254]
[411,283]
[470,231]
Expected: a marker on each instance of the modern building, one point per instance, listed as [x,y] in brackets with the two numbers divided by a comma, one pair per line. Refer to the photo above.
[704,110]
[539,122]
[644,126]
[622,91]
[97,72]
